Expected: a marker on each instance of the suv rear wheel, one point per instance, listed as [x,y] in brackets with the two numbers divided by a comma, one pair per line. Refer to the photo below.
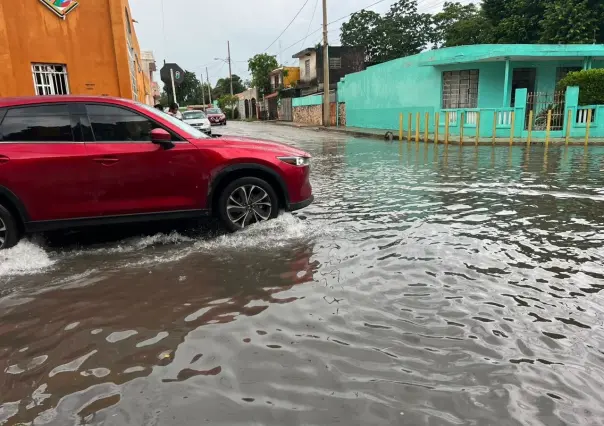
[9,230]
[246,201]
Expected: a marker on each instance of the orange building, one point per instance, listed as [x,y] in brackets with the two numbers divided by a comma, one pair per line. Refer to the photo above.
[78,47]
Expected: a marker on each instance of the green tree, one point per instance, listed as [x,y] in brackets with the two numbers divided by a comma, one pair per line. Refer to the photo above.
[261,66]
[515,21]
[187,93]
[229,105]
[223,86]
[573,21]
[402,31]
[458,24]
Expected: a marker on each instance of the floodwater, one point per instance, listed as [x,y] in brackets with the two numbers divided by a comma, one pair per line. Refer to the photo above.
[425,286]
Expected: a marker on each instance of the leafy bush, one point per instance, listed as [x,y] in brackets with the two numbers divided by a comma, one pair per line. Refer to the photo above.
[590,83]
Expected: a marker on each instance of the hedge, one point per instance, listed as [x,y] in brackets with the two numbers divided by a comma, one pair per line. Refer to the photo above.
[590,83]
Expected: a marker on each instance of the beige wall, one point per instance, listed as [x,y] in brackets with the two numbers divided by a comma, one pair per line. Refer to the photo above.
[313,67]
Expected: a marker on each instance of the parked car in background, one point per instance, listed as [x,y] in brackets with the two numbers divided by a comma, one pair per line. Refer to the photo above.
[70,161]
[198,120]
[216,116]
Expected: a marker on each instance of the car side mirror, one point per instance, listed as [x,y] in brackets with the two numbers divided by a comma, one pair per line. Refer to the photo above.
[162,137]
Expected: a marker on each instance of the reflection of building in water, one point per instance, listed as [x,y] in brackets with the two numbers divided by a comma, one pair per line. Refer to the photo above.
[123,327]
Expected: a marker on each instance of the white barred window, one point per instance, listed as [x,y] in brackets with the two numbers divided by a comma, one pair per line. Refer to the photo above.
[50,79]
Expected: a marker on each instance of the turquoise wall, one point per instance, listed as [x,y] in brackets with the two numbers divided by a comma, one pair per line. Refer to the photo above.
[375,97]
[307,101]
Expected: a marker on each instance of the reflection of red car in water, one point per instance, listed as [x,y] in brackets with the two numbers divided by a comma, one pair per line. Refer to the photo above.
[216,117]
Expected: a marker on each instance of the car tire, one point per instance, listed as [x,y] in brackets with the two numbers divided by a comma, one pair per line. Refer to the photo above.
[9,229]
[246,201]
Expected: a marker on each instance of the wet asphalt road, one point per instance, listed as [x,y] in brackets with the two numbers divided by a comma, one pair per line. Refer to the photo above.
[425,286]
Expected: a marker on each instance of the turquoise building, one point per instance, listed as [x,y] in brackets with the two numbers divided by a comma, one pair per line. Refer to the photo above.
[476,85]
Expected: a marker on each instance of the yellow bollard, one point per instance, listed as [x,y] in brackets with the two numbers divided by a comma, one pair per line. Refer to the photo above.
[417,127]
[530,127]
[568,125]
[409,128]
[461,123]
[447,128]
[436,124]
[512,125]
[587,126]
[426,126]
[400,127]
[477,128]
[494,126]
[548,126]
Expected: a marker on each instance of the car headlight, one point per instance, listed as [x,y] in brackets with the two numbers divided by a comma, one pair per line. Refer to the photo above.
[296,161]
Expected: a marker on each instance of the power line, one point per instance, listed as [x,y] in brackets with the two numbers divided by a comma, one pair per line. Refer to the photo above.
[288,25]
[333,22]
[310,23]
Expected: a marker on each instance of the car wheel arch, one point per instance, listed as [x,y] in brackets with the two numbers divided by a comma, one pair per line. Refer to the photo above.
[13,204]
[230,173]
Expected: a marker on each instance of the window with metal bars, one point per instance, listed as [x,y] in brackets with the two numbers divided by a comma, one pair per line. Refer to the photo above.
[50,79]
[335,63]
[460,89]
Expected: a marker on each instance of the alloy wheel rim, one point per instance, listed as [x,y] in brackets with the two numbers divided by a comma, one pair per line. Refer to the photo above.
[3,233]
[248,204]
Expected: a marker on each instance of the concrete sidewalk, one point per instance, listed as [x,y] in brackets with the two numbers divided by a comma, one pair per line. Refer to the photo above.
[380,134]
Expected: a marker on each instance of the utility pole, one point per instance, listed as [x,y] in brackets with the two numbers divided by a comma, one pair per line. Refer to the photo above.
[229,59]
[173,86]
[203,92]
[326,106]
[209,85]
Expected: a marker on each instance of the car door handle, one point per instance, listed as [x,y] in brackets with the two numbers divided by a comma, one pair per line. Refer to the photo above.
[106,161]
[4,159]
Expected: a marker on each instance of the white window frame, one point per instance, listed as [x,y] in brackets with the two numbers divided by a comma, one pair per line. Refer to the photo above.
[50,79]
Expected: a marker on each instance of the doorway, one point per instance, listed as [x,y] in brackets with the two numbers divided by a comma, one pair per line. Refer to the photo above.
[523,78]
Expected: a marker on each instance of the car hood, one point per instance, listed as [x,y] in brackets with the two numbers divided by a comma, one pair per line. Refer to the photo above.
[197,121]
[255,144]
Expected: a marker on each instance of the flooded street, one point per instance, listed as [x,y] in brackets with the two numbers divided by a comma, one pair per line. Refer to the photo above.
[425,286]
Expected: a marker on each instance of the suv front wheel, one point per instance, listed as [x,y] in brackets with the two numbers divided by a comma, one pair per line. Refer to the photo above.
[9,230]
[246,201]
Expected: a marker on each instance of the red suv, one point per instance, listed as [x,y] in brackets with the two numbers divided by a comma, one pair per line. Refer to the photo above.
[68,161]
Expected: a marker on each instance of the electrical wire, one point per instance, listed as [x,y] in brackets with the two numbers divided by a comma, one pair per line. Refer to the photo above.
[333,22]
[288,25]
[310,23]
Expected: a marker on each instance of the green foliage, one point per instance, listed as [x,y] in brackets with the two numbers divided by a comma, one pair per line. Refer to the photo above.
[188,93]
[590,83]
[458,24]
[261,66]
[223,87]
[402,31]
[229,104]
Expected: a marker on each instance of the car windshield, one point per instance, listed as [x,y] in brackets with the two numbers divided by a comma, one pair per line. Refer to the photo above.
[193,115]
[189,130]
[214,111]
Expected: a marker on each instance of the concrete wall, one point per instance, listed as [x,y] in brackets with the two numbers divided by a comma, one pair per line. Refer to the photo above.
[313,67]
[375,97]
[91,41]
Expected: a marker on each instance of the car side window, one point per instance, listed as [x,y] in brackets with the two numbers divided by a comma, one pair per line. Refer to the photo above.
[113,124]
[40,123]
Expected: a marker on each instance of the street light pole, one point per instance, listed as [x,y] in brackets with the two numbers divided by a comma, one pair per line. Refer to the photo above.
[209,85]
[326,106]
[229,59]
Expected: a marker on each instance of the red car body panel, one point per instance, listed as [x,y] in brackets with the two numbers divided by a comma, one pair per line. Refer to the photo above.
[88,179]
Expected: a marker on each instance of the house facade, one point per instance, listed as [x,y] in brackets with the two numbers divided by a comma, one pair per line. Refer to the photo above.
[71,47]
[343,60]
[492,80]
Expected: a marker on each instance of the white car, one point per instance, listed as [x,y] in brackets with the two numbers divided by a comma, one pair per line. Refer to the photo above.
[199,120]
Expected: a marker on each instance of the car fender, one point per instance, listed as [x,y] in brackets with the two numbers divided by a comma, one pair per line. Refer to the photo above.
[15,201]
[218,176]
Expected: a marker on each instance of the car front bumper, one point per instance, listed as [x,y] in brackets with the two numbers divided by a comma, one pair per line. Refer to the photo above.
[300,205]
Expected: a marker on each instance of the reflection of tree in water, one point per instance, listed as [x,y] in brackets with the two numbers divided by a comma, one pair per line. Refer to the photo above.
[140,301]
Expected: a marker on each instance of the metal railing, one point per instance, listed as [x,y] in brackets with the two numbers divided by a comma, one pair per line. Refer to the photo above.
[542,102]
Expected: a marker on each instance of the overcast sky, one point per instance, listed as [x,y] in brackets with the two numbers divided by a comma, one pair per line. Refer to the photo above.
[196,31]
